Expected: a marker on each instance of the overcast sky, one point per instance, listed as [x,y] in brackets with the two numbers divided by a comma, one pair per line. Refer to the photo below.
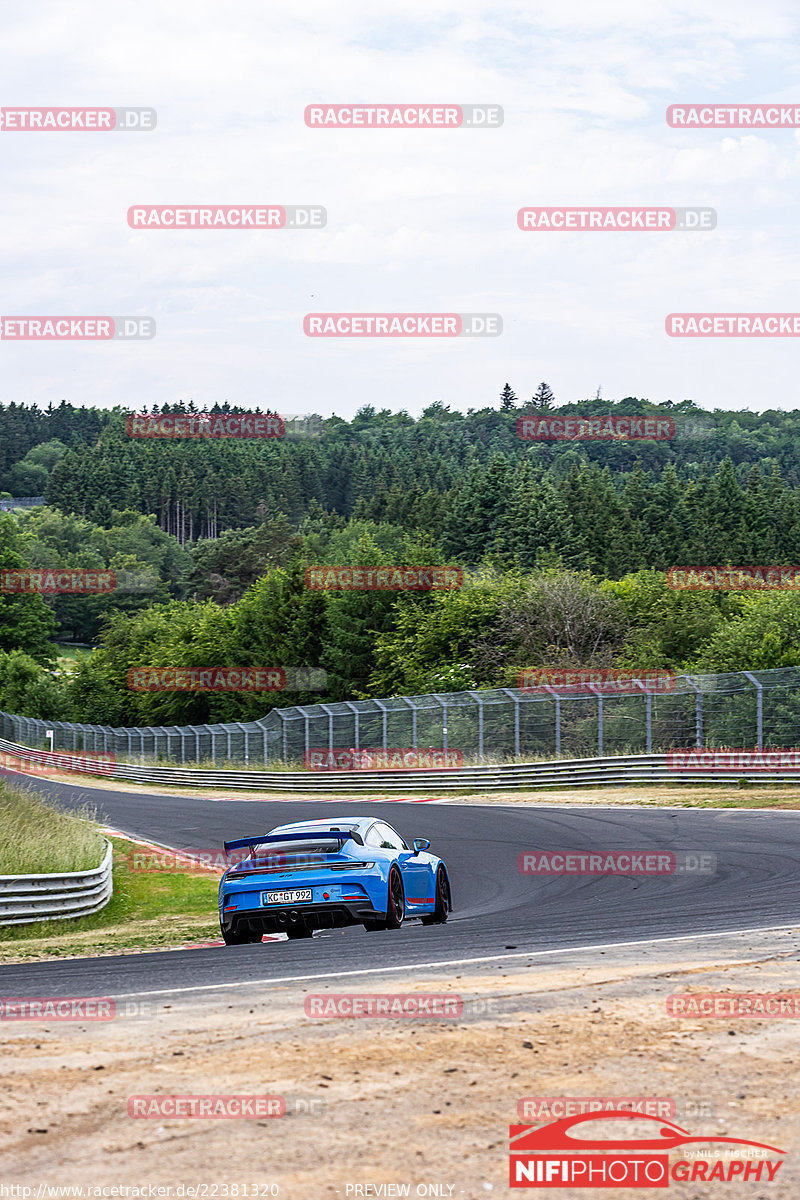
[418,220]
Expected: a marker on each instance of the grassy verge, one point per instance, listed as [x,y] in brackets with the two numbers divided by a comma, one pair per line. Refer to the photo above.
[39,837]
[148,910]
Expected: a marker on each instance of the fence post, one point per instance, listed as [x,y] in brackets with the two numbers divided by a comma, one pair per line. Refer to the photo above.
[349,704]
[306,731]
[479,702]
[557,699]
[444,720]
[698,711]
[515,699]
[599,694]
[413,708]
[384,726]
[759,709]
[648,708]
[245,731]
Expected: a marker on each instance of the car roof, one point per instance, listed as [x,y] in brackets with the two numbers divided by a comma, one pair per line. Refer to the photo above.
[361,824]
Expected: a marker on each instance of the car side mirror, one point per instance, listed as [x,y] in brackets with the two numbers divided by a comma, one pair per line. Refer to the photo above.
[421,844]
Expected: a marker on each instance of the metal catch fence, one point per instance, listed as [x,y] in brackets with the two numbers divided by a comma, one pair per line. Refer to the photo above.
[742,709]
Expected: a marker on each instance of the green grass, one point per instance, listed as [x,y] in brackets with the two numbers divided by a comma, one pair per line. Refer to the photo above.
[148,910]
[38,836]
[70,656]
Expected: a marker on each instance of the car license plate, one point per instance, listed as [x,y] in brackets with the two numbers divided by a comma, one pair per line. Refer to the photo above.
[293,896]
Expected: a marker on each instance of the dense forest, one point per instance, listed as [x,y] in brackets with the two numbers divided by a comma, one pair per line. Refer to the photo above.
[566,545]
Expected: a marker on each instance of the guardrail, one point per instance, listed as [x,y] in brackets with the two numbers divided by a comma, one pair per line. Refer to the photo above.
[28,898]
[576,772]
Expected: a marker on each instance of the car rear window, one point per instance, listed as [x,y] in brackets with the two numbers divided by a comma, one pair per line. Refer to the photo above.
[303,846]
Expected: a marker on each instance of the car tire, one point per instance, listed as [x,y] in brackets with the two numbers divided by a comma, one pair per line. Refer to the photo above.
[395,899]
[442,902]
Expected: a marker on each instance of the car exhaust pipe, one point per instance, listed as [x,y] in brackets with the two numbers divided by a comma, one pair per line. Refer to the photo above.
[282,919]
[294,915]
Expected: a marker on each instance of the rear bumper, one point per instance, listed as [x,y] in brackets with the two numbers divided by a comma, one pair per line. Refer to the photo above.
[332,915]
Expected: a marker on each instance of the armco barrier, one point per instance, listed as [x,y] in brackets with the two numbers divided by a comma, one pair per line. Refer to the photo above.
[576,772]
[28,898]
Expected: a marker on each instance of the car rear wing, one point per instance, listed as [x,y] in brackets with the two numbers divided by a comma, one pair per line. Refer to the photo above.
[342,835]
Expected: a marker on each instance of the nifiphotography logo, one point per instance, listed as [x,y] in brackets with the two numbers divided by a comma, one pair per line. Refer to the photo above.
[573,1152]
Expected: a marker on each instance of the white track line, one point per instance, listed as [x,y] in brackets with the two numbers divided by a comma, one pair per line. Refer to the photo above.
[451,962]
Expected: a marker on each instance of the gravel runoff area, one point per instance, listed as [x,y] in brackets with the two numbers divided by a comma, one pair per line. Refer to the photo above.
[422,1102]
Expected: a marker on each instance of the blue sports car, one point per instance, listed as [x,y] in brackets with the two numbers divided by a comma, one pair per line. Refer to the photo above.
[324,874]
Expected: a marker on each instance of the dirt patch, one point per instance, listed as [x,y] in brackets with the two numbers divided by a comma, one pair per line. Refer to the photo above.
[419,1102]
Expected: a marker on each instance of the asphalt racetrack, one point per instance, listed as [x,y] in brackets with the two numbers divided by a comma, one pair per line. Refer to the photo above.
[498,911]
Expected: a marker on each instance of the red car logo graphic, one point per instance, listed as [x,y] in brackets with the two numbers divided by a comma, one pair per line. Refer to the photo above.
[557,1155]
[556,1136]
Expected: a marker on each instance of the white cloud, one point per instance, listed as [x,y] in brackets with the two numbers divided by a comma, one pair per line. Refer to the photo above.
[417,220]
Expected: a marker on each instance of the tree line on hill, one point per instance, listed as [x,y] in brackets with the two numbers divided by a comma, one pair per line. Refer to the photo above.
[554,535]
